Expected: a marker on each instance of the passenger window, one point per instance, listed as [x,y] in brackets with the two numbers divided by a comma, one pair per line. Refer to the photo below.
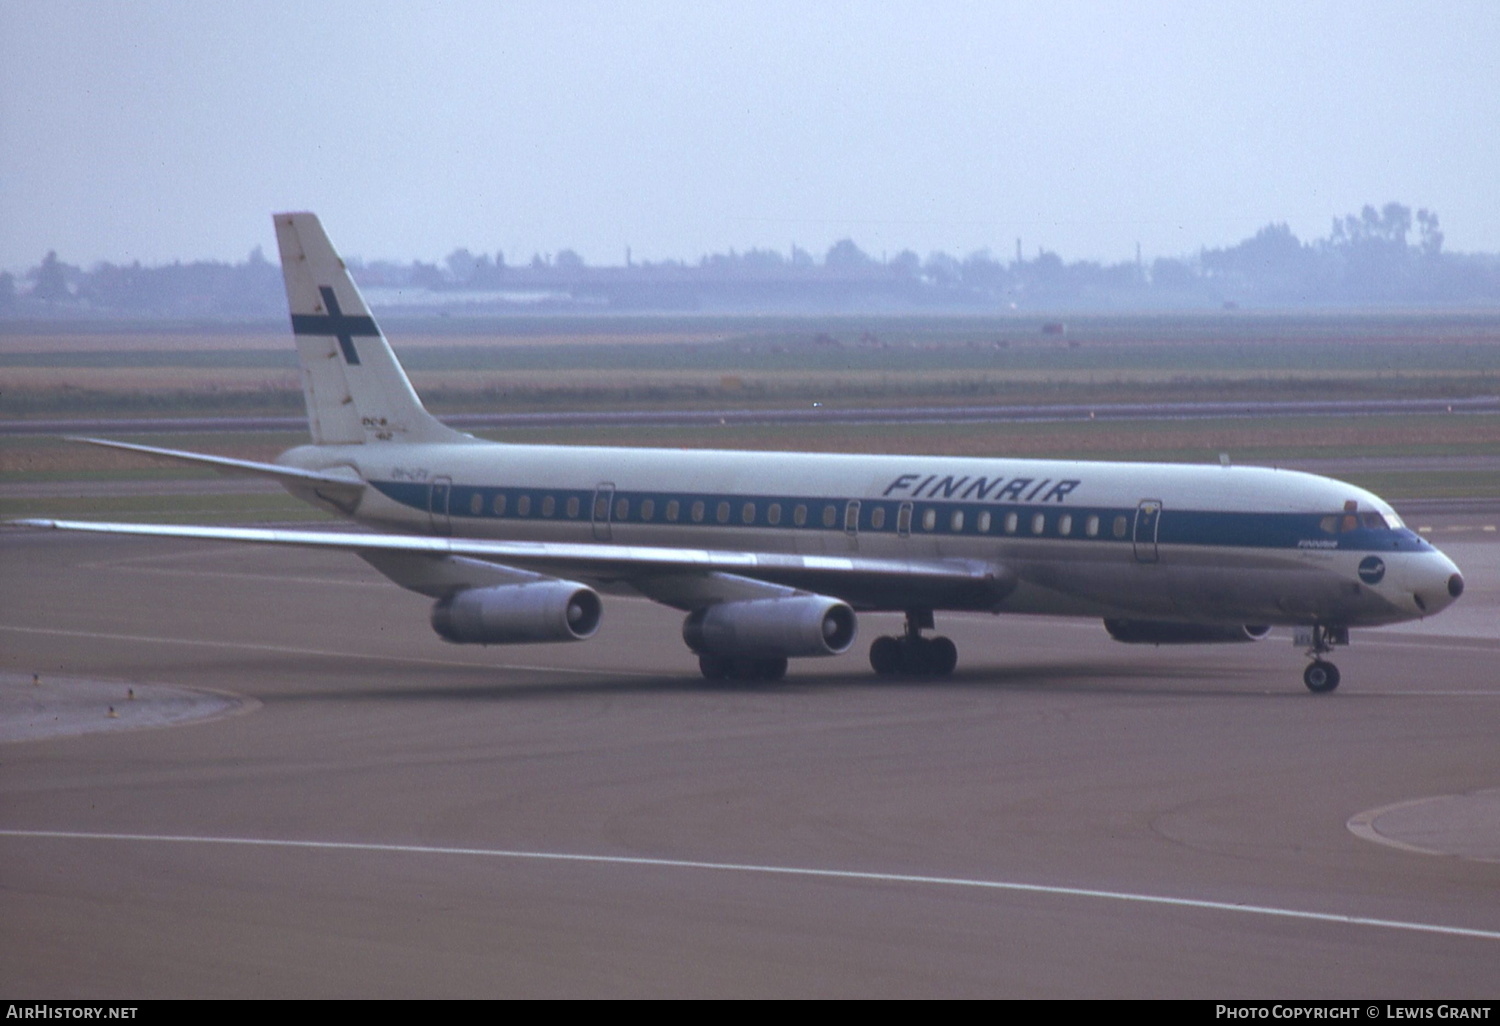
[622,509]
[1011,520]
[698,512]
[799,515]
[956,521]
[877,518]
[523,506]
[648,509]
[500,505]
[1121,524]
[773,514]
[1038,523]
[747,513]
[1065,524]
[673,508]
[476,504]
[722,513]
[830,515]
[1091,527]
[549,505]
[984,522]
[573,505]
[929,519]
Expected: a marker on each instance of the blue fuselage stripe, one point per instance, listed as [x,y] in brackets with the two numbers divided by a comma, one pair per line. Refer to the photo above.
[882,516]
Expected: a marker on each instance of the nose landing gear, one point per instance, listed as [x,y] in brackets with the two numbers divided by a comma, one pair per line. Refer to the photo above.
[1321,676]
[911,654]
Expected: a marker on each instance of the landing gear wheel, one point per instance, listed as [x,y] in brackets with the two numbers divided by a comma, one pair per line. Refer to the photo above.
[942,657]
[763,669]
[911,654]
[1321,677]
[718,667]
[914,659]
[885,656]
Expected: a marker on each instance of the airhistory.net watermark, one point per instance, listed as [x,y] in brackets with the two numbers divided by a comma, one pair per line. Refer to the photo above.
[53,1010]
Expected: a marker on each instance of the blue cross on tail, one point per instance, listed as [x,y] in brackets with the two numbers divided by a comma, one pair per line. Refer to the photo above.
[336,324]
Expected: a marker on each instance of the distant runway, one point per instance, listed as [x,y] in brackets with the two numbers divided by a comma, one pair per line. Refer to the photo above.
[393,816]
[813,414]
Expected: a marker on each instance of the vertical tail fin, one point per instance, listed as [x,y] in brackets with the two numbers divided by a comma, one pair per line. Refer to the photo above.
[355,389]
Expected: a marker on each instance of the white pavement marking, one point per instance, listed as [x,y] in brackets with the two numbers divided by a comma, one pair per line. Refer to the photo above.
[289,650]
[736,867]
[1464,826]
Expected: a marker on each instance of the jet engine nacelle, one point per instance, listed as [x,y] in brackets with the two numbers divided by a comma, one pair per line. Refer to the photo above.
[1156,632]
[803,625]
[513,614]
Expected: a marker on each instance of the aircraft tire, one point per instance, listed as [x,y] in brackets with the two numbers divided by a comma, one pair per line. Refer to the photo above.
[718,667]
[928,657]
[772,668]
[1321,677]
[885,656]
[942,655]
[914,656]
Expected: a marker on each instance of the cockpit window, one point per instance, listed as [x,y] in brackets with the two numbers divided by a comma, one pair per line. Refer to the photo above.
[1337,523]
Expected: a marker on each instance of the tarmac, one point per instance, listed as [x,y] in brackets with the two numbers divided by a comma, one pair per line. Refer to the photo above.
[310,795]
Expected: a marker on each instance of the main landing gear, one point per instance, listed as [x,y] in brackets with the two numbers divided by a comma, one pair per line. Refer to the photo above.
[911,654]
[1322,676]
[718,667]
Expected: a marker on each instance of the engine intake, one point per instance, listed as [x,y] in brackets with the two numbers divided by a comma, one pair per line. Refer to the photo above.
[1159,632]
[811,625]
[514,614]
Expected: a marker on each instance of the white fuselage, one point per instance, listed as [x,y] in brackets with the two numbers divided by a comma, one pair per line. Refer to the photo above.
[1206,544]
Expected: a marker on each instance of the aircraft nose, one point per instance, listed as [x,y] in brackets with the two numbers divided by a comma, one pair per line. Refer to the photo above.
[1436,584]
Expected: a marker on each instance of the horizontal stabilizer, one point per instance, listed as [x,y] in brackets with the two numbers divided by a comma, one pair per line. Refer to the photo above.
[228,465]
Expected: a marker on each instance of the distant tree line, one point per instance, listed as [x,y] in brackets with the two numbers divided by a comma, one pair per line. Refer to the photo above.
[1385,257]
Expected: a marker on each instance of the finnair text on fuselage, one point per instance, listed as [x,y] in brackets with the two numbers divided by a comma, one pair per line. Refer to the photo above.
[997,489]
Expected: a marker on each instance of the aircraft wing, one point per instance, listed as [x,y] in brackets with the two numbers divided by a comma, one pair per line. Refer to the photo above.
[861,581]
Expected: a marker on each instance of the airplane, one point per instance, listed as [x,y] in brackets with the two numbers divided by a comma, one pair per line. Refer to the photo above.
[773,555]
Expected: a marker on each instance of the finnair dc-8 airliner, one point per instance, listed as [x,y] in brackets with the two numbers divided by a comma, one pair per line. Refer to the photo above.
[772,555]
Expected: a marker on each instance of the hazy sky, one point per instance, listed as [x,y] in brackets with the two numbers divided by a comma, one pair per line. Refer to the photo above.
[155,130]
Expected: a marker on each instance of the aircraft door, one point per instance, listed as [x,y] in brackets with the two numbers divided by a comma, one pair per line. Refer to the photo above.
[604,500]
[1147,524]
[439,491]
[903,520]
